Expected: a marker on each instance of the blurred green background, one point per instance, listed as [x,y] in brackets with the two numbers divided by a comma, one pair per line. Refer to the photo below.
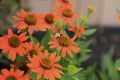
[8,8]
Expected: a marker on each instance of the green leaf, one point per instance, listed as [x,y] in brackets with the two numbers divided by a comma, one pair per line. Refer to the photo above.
[67,78]
[90,73]
[117,63]
[64,62]
[84,46]
[57,24]
[84,19]
[33,76]
[18,58]
[102,76]
[81,75]
[89,32]
[33,40]
[110,68]
[42,78]
[46,39]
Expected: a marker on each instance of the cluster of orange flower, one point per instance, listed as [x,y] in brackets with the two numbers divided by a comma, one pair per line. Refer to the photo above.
[40,60]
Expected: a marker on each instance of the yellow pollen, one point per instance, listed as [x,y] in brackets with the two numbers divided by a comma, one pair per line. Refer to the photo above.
[14,42]
[67,13]
[49,18]
[66,1]
[11,78]
[64,41]
[46,63]
[32,52]
[30,19]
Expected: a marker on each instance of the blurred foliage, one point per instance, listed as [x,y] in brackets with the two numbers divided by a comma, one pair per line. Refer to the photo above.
[8,8]
[107,71]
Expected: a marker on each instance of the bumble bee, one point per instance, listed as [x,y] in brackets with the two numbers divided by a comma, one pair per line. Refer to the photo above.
[58,35]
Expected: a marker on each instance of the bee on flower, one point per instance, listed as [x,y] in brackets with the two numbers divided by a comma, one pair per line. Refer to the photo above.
[64,44]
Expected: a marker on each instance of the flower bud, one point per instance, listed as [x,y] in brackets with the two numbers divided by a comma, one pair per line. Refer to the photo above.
[91,9]
[72,69]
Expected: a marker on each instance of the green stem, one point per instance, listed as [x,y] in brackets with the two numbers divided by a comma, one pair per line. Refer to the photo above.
[42,78]
[31,39]
[58,52]
[88,14]
[74,78]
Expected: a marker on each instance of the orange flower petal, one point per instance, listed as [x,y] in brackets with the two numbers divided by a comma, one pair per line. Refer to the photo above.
[5,72]
[10,33]
[53,55]
[58,66]
[46,53]
[30,30]
[40,74]
[46,74]
[17,18]
[56,74]
[74,49]
[56,59]
[64,52]
[23,37]
[69,53]
[19,73]
[2,77]
[12,54]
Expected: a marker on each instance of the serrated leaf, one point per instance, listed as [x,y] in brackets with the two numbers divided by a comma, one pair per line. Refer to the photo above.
[90,74]
[81,75]
[84,46]
[89,32]
[46,39]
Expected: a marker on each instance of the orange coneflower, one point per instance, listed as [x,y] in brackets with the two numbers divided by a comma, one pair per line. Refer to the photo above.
[33,49]
[46,65]
[118,17]
[22,65]
[118,68]
[65,44]
[47,20]
[13,44]
[66,13]
[12,75]
[28,21]
[64,2]
[78,30]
